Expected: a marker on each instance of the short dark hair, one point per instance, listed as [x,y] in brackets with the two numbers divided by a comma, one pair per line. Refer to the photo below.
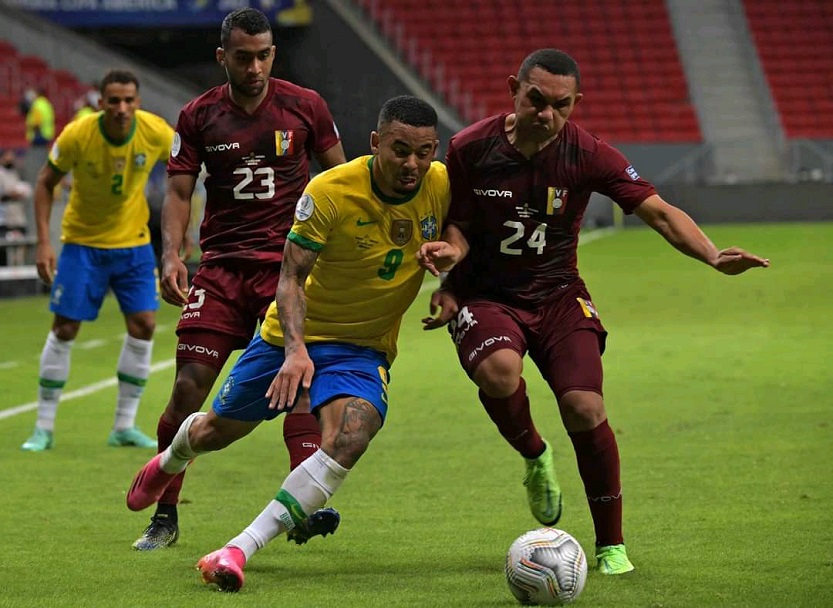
[408,110]
[250,20]
[553,61]
[118,76]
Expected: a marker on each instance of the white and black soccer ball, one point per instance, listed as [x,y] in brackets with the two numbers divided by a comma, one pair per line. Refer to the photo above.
[546,567]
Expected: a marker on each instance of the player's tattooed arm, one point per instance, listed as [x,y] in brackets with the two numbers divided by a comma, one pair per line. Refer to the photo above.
[290,296]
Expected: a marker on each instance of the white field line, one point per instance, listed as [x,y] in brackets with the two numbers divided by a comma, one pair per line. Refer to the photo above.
[89,389]
[81,392]
[90,344]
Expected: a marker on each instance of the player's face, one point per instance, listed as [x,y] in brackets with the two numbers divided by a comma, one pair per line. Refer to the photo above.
[247,60]
[403,156]
[543,103]
[119,102]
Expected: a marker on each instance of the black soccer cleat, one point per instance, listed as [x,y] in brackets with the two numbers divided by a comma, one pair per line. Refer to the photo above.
[162,532]
[321,523]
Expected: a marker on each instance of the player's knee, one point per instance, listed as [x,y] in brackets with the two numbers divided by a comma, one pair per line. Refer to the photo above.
[346,447]
[499,374]
[142,325]
[65,333]
[65,329]
[499,387]
[581,410]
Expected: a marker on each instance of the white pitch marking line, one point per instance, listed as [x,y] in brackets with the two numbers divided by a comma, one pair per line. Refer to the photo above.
[90,344]
[81,392]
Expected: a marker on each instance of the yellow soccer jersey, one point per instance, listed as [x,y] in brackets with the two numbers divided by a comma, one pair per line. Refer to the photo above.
[366,275]
[107,207]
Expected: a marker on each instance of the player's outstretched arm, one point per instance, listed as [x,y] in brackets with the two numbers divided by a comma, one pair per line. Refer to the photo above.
[176,213]
[297,369]
[443,255]
[47,180]
[679,229]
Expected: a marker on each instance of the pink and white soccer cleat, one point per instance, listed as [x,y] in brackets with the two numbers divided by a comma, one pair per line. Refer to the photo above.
[148,485]
[223,568]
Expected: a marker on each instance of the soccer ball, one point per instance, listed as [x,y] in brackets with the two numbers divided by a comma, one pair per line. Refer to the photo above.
[546,567]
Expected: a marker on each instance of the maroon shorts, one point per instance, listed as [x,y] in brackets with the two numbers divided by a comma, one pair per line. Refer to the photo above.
[224,306]
[564,337]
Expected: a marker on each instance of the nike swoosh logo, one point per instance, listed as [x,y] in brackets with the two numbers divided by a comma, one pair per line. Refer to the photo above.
[365,223]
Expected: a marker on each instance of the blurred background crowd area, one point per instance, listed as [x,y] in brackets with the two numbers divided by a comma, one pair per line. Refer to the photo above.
[726,105]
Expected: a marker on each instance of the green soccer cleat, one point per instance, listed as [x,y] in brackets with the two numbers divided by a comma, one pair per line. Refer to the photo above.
[542,489]
[40,441]
[131,437]
[613,559]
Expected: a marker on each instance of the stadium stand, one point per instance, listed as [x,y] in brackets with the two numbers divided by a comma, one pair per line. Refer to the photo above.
[19,72]
[634,85]
[794,39]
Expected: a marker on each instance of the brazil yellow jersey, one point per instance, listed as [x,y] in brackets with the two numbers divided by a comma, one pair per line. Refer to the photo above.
[366,275]
[107,207]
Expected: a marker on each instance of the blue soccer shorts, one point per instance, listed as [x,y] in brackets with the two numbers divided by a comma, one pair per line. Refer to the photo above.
[341,370]
[86,273]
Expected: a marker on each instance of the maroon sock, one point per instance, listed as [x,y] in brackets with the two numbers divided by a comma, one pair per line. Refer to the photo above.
[165,432]
[514,421]
[302,436]
[598,464]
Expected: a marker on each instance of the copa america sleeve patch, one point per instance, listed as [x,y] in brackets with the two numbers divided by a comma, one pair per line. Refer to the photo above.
[55,152]
[176,145]
[304,208]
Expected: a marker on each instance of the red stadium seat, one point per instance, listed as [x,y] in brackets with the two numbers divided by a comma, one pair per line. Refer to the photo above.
[794,39]
[7,49]
[631,71]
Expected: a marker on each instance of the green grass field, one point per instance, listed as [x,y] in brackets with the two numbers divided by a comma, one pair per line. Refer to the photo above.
[719,389]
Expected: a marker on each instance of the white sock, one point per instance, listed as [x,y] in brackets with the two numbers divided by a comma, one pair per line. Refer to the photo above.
[273,520]
[133,371]
[304,491]
[176,457]
[54,371]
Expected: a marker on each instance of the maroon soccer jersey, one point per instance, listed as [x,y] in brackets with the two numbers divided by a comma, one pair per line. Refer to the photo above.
[522,216]
[257,165]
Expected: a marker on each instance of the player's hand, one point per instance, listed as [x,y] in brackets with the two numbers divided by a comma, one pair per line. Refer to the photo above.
[174,280]
[438,256]
[443,308]
[295,374]
[45,260]
[735,260]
